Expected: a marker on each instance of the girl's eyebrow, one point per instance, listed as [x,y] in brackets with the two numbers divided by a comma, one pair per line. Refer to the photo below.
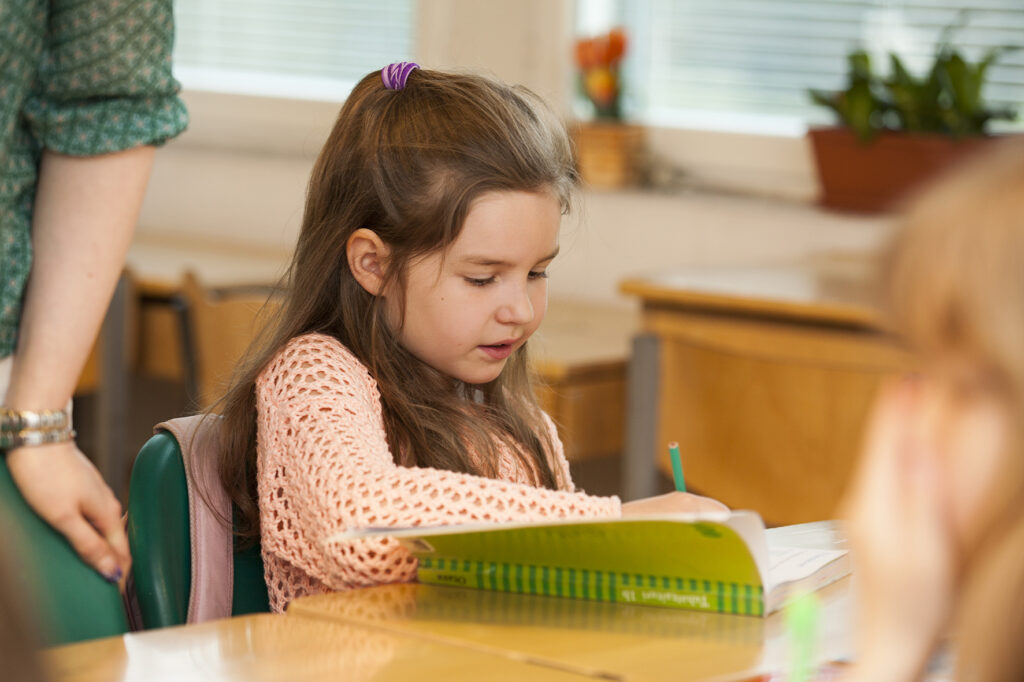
[490,262]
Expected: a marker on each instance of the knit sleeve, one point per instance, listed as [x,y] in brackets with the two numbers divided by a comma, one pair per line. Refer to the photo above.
[325,467]
[105,83]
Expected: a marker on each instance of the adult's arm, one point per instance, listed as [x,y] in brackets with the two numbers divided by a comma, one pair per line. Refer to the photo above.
[85,213]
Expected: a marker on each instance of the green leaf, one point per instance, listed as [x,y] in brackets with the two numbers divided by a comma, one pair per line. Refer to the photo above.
[827,100]
[900,75]
[859,63]
[948,100]
[860,110]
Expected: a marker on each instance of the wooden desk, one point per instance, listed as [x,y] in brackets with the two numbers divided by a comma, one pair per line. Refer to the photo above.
[611,641]
[276,648]
[580,355]
[763,375]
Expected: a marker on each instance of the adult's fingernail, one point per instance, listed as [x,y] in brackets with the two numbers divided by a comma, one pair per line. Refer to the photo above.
[113,576]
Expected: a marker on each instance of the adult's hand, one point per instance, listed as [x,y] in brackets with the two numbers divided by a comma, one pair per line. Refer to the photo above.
[67,491]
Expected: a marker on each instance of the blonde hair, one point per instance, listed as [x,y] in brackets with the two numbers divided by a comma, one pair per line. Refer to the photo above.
[954,282]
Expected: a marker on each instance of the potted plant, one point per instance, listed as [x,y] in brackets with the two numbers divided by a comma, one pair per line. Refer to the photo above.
[897,131]
[607,149]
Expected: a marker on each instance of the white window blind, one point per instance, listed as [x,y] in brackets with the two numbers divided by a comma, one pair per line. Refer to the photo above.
[312,49]
[747,64]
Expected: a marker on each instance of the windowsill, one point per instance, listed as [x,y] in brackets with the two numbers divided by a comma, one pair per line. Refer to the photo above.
[245,162]
[760,164]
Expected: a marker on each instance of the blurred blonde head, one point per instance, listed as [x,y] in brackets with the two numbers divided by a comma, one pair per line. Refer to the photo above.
[954,283]
[955,273]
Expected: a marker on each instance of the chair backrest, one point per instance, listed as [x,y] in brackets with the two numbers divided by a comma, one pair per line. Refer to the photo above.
[219,325]
[185,569]
[70,601]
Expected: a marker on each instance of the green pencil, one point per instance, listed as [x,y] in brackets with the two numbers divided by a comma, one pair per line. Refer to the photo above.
[677,466]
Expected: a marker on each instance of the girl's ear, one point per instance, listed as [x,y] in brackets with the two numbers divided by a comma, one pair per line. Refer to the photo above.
[367,259]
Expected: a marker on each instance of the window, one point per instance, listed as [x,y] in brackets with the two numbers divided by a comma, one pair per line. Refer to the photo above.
[746,65]
[307,49]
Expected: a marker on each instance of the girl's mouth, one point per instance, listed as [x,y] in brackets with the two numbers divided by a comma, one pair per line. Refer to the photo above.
[498,351]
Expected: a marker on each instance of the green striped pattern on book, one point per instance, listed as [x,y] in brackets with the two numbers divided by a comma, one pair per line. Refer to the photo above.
[630,588]
[712,563]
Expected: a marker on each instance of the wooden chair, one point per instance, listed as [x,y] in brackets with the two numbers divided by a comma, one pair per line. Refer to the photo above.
[217,327]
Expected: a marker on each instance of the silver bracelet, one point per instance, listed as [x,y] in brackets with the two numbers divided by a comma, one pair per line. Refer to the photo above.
[19,420]
[33,437]
[21,428]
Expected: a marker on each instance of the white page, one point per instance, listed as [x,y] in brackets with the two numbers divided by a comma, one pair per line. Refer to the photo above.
[789,564]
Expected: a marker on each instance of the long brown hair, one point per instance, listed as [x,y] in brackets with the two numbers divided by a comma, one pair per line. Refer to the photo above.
[408,164]
[955,285]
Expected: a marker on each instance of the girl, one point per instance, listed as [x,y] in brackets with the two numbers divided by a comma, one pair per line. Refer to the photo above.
[936,511]
[395,389]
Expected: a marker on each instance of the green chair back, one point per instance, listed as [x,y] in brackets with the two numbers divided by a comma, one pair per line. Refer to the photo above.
[158,532]
[71,602]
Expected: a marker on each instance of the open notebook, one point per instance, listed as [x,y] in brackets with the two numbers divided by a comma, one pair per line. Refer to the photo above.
[719,562]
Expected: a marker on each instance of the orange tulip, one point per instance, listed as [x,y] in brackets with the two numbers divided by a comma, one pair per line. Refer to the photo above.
[586,54]
[616,45]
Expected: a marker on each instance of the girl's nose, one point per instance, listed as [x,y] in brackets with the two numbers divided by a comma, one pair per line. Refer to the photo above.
[518,309]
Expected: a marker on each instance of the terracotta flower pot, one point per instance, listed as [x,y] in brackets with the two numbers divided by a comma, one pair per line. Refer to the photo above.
[608,155]
[875,176]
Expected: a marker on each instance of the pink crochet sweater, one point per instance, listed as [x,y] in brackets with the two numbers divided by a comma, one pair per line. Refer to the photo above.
[324,466]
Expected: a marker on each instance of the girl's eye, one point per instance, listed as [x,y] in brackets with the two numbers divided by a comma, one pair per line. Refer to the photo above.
[479,282]
[542,274]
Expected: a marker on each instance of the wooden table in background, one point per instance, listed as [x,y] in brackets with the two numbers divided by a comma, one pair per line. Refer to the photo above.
[276,648]
[580,354]
[763,375]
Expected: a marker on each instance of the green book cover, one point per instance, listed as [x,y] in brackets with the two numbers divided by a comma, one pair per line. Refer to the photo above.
[717,562]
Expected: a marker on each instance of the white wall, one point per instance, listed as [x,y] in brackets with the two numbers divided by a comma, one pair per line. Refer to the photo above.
[631,233]
[239,172]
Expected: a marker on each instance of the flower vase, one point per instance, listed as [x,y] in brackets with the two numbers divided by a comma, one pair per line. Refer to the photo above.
[609,154]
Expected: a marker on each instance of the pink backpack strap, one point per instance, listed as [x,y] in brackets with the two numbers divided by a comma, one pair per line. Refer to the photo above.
[211,538]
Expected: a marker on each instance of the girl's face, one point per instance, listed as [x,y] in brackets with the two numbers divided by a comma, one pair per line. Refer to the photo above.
[966,418]
[469,308]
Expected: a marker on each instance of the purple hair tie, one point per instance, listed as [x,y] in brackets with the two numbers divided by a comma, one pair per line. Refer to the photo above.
[395,75]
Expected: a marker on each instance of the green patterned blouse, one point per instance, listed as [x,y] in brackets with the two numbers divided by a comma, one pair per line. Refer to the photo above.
[79,77]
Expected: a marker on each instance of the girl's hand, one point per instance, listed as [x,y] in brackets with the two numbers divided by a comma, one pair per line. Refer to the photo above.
[67,491]
[672,503]
[903,546]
